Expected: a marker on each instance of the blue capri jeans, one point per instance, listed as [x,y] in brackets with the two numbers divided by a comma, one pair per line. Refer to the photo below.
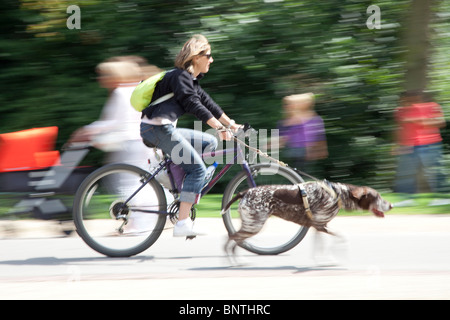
[184,147]
[429,157]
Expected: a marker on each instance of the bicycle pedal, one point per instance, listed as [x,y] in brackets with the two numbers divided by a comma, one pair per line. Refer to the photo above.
[190,237]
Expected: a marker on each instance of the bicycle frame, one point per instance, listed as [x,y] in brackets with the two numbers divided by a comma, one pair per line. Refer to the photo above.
[100,199]
[239,155]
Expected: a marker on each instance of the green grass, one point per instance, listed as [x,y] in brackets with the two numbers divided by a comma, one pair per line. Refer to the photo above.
[210,205]
[422,203]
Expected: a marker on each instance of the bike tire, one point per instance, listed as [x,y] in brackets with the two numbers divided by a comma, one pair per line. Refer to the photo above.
[95,209]
[239,183]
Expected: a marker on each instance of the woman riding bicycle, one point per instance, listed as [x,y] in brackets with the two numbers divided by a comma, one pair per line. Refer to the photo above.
[158,126]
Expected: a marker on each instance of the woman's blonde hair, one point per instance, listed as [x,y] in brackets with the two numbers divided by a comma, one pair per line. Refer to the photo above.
[195,46]
[120,71]
[299,98]
[147,70]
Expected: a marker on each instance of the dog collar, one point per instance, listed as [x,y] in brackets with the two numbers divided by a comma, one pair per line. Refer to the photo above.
[304,195]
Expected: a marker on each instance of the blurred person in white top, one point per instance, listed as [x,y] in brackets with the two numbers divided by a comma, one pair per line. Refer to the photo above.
[117,131]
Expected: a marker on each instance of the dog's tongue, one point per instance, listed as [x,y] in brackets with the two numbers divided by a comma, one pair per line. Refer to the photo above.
[379,214]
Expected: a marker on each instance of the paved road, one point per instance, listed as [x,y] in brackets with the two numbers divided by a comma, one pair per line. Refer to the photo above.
[399,257]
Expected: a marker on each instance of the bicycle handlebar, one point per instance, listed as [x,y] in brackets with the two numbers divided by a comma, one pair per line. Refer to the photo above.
[246,130]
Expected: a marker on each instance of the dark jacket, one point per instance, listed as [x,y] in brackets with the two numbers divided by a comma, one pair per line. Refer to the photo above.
[188,97]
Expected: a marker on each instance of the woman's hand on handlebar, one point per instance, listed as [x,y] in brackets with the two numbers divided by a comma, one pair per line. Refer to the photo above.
[225,134]
[235,127]
[228,133]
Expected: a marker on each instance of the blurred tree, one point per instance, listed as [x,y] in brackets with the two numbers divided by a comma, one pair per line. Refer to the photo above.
[262,51]
[417,40]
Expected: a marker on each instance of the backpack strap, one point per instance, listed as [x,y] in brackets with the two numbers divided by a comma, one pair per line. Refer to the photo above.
[162,99]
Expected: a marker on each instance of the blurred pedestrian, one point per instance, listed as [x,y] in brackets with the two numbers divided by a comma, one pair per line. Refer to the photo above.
[419,143]
[302,132]
[117,130]
[158,123]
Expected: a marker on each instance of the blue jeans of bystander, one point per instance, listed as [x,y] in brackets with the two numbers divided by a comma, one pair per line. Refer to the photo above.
[427,157]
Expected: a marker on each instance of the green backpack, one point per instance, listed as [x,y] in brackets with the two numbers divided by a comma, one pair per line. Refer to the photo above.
[143,93]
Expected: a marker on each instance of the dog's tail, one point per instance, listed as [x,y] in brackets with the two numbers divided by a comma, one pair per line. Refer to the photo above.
[235,198]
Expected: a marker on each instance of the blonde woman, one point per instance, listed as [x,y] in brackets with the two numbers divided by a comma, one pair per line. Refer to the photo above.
[115,131]
[302,131]
[158,125]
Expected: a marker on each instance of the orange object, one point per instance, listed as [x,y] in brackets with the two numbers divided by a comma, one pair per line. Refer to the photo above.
[414,133]
[29,149]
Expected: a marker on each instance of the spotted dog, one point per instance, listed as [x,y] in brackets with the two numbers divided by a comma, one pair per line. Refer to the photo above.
[324,199]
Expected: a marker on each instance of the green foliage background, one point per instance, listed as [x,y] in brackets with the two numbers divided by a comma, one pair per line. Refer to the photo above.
[262,51]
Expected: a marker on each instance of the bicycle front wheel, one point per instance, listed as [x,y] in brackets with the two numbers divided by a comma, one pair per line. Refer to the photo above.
[278,235]
[116,213]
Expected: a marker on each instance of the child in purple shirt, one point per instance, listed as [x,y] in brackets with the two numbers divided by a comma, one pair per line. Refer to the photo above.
[302,131]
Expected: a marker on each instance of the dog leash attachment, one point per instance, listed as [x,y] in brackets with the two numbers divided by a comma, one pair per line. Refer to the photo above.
[304,195]
[265,155]
[256,150]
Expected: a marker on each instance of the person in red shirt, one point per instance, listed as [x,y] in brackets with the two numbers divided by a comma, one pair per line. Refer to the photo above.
[419,143]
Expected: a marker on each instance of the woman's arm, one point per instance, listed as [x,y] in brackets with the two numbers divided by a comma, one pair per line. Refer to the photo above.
[221,130]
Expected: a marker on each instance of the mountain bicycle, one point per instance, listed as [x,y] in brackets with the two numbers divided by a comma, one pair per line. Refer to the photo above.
[115,197]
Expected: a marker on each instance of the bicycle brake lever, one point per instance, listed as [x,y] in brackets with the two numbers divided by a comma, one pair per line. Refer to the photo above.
[246,130]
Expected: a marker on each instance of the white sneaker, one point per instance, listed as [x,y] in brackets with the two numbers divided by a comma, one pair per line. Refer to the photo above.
[186,229]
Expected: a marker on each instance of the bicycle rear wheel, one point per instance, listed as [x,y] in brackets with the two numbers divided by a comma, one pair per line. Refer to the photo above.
[278,235]
[112,222]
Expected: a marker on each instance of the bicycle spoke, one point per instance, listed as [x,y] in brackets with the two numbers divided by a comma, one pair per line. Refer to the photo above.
[110,219]
[277,234]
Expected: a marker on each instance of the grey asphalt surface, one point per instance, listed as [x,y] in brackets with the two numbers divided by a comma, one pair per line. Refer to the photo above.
[399,257]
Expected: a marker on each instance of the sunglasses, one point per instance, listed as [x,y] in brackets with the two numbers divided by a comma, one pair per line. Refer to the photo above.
[208,55]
